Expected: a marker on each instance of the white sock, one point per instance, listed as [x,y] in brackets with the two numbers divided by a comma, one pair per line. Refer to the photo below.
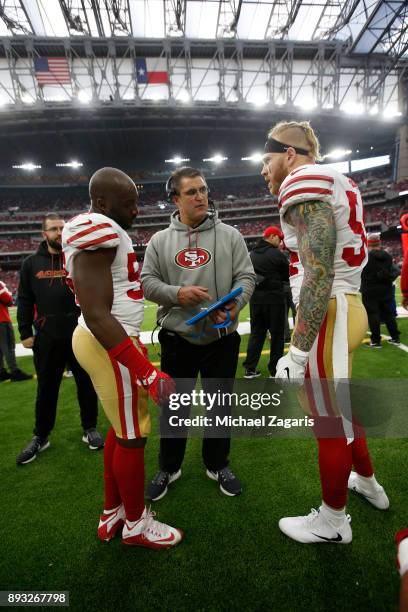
[334,516]
[113,510]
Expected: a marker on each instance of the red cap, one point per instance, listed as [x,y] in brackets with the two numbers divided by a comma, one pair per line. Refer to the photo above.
[272,230]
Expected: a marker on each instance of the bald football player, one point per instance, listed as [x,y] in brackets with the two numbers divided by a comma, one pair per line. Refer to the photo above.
[103,272]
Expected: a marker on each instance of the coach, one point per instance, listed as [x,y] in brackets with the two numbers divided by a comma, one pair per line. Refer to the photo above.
[196,260]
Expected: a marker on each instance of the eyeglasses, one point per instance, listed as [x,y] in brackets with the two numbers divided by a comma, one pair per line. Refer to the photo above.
[193,192]
[54,229]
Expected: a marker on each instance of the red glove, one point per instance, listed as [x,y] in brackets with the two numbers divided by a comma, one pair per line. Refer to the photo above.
[158,384]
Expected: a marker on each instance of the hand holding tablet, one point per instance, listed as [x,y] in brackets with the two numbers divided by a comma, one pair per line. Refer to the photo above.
[219,304]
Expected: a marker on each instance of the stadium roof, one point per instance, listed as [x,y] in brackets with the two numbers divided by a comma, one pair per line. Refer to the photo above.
[368,26]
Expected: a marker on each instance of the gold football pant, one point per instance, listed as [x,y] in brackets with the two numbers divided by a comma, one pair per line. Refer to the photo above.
[317,396]
[124,402]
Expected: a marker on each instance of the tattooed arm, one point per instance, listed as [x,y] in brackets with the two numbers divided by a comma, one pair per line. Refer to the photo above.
[316,234]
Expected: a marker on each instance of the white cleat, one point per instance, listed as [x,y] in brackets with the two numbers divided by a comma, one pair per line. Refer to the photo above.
[374,494]
[316,527]
[150,533]
[110,524]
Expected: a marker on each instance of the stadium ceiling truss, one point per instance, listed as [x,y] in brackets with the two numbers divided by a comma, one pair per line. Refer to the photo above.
[298,54]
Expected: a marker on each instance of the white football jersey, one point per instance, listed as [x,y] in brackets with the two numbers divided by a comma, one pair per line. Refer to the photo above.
[92,231]
[322,183]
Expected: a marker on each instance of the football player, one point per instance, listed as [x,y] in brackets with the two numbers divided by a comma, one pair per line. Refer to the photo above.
[103,270]
[321,215]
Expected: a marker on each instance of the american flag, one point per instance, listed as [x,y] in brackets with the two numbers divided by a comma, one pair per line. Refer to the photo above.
[52,70]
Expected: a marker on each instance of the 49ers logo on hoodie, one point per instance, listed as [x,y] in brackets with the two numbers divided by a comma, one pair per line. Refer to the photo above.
[193,257]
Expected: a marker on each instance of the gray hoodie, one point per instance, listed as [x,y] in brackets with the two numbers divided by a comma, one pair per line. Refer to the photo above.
[180,256]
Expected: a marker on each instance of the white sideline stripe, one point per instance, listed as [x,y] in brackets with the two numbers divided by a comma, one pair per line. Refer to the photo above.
[146,337]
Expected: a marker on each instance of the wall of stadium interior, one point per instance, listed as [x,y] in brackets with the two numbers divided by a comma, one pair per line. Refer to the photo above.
[277,77]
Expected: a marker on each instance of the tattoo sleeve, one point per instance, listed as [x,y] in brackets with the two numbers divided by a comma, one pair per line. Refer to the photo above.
[316,234]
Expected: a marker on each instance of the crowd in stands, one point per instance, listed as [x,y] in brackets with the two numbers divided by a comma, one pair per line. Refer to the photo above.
[389,215]
[20,244]
[10,278]
[237,199]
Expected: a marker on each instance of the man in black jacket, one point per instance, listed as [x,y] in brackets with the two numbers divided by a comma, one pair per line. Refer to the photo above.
[376,290]
[267,304]
[45,302]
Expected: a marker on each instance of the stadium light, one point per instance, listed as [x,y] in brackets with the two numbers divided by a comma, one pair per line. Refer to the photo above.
[259,102]
[27,166]
[306,104]
[183,96]
[280,100]
[176,160]
[84,97]
[374,110]
[27,99]
[216,159]
[256,157]
[353,109]
[391,114]
[71,164]
[337,153]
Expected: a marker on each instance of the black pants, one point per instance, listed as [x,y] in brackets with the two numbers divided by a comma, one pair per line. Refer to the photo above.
[51,355]
[7,346]
[379,309]
[266,317]
[217,364]
[289,306]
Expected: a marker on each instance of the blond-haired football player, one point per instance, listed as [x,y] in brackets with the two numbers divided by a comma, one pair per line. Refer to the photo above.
[321,215]
[102,266]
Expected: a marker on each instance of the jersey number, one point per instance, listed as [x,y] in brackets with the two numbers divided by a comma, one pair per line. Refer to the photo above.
[133,275]
[349,255]
[294,259]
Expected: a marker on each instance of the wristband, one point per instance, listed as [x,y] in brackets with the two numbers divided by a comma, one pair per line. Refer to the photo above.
[298,353]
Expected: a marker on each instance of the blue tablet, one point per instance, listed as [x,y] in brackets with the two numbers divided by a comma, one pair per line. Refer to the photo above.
[218,304]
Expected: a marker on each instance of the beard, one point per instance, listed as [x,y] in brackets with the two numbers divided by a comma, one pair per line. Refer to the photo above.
[279,176]
[54,244]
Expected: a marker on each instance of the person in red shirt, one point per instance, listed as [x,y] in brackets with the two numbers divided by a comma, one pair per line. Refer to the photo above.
[404,282]
[7,340]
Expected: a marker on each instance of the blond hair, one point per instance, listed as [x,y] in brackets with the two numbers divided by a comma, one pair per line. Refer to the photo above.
[297,134]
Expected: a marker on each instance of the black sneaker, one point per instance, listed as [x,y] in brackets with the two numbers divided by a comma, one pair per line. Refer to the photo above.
[37,445]
[18,375]
[4,375]
[252,373]
[376,345]
[157,488]
[229,483]
[395,341]
[93,439]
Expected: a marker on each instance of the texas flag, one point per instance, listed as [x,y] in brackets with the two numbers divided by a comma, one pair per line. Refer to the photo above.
[145,77]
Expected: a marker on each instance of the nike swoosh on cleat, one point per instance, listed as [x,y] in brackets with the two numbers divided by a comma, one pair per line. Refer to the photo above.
[364,494]
[84,223]
[338,538]
[170,539]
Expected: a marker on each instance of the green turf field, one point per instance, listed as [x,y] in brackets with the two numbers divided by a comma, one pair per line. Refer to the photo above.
[233,556]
